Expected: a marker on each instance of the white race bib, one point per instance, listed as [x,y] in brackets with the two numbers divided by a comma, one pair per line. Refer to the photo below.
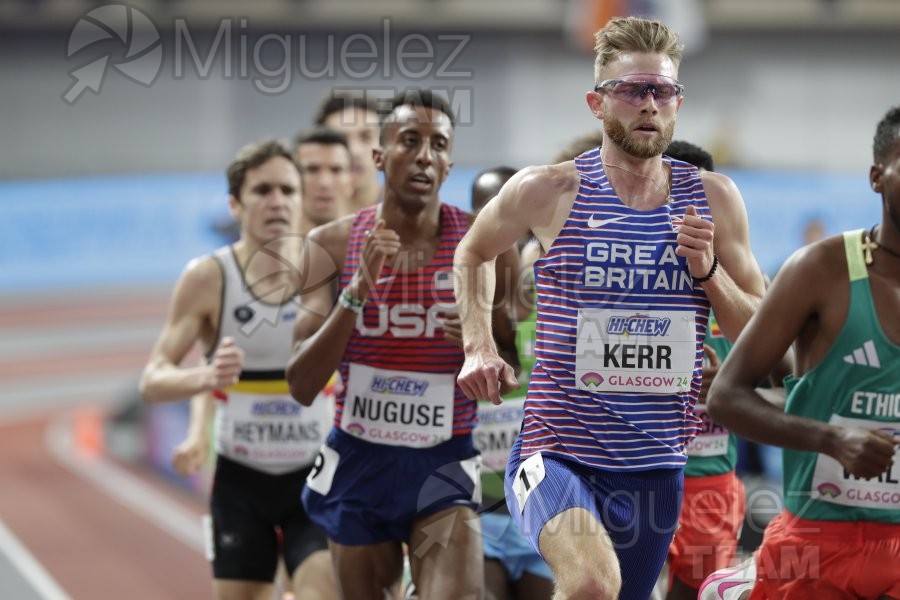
[321,476]
[829,484]
[496,432]
[530,474]
[712,439]
[398,408]
[271,432]
[651,351]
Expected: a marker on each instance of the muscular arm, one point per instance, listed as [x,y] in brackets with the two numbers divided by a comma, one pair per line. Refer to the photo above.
[794,307]
[194,302]
[506,271]
[322,328]
[737,287]
[526,203]
[502,319]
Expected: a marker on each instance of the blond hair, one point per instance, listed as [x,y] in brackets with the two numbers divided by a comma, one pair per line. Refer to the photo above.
[634,34]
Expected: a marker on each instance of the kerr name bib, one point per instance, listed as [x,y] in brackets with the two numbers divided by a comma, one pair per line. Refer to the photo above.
[635,351]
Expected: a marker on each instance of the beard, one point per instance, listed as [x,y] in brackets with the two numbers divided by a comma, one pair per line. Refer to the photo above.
[637,147]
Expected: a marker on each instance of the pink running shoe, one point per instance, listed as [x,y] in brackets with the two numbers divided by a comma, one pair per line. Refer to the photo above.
[733,583]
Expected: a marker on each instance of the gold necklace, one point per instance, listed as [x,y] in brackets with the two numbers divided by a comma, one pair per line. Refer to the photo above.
[667,193]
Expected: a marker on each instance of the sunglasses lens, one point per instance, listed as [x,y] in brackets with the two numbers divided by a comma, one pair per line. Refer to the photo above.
[665,92]
[633,92]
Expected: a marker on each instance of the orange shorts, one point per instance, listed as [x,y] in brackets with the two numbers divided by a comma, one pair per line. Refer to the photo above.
[712,513]
[827,560]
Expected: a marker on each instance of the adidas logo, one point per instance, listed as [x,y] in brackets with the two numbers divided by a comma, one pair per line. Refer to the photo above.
[865,356]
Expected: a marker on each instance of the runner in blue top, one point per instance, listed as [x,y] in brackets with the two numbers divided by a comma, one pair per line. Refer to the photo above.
[637,247]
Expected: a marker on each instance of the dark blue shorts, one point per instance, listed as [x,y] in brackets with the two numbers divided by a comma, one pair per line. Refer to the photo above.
[362,493]
[639,510]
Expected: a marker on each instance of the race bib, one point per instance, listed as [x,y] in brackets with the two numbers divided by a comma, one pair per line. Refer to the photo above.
[321,476]
[530,474]
[712,439]
[398,408]
[272,432]
[650,351]
[472,467]
[831,484]
[496,432]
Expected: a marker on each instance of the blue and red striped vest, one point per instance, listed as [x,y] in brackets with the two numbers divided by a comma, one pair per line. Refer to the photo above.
[399,372]
[620,329]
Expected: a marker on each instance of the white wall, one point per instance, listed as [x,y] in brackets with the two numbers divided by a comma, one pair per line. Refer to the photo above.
[785,101]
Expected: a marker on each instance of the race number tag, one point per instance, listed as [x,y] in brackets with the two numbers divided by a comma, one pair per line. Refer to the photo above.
[321,476]
[472,468]
[272,433]
[651,351]
[528,476]
[497,430]
[830,483]
[712,439]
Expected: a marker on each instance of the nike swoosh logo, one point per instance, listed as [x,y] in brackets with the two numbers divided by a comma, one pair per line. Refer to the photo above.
[595,223]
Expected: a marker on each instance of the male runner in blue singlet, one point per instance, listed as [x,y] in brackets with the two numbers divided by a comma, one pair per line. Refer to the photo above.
[637,247]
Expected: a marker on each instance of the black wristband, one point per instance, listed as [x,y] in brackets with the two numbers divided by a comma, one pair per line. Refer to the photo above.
[712,270]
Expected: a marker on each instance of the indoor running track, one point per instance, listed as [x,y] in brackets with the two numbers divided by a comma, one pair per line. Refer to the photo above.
[75,524]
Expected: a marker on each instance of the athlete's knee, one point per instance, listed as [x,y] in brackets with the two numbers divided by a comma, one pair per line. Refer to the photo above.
[589,586]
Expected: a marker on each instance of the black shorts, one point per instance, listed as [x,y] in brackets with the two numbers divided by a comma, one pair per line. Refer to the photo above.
[249,508]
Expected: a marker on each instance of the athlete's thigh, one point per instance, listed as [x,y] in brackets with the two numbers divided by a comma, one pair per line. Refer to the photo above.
[533,587]
[555,508]
[446,554]
[244,546]
[496,584]
[366,571]
[575,542]
[301,538]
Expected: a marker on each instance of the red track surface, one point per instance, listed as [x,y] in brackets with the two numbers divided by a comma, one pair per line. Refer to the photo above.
[91,544]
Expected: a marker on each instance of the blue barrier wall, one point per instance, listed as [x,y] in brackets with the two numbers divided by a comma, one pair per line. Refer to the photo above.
[143,229]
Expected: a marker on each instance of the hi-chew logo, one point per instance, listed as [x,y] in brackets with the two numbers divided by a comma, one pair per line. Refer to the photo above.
[399,385]
[135,51]
[638,325]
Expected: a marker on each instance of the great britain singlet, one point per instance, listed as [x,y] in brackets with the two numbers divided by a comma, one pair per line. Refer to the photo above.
[857,384]
[620,328]
[398,370]
[257,423]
